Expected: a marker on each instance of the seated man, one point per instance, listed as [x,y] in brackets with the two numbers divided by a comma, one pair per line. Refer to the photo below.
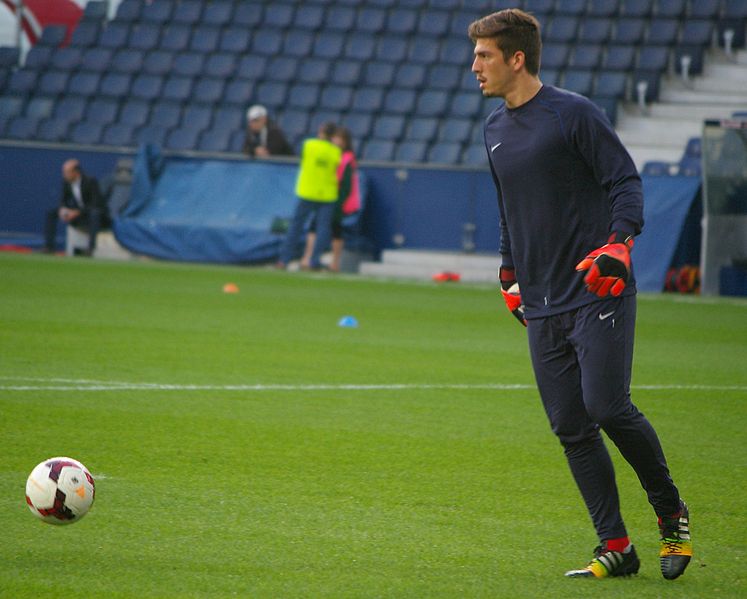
[82,205]
[263,137]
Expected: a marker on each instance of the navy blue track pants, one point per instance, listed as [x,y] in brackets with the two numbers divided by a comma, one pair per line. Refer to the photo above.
[582,362]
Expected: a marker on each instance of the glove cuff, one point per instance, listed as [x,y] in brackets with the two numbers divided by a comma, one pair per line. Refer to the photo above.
[621,237]
[507,277]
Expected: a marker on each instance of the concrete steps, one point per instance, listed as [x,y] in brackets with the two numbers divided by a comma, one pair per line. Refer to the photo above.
[424,264]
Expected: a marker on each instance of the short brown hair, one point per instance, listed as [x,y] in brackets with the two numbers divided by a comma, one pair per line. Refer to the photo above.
[514,31]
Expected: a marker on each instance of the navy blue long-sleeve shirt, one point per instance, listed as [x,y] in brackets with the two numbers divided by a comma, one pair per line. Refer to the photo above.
[564,182]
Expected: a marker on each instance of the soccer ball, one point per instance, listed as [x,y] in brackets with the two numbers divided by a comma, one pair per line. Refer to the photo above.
[60,490]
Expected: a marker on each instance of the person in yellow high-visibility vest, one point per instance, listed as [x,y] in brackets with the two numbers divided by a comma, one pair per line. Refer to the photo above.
[317,191]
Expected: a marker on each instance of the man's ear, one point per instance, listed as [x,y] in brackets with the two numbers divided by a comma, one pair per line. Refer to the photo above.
[519,59]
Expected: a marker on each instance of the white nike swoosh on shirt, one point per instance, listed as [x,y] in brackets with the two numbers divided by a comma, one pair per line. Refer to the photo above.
[603,316]
[495,146]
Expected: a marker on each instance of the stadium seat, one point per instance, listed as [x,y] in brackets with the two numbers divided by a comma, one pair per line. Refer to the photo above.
[423,51]
[165,114]
[595,31]
[208,90]
[636,8]
[176,37]
[462,19]
[401,20]
[52,36]
[218,14]
[272,93]
[562,29]
[86,132]
[84,83]
[129,11]
[611,84]
[239,91]
[187,12]
[603,8]
[704,9]
[367,99]
[689,166]
[378,150]
[247,14]
[673,9]
[252,67]
[189,64]
[378,73]
[608,107]
[157,12]
[328,45]
[657,168]
[96,59]
[118,134]
[158,62]
[359,124]
[539,7]
[339,18]
[410,76]
[281,68]
[182,138]
[85,34]
[550,76]
[456,51]
[400,101]
[102,110]
[360,47]
[444,153]
[586,56]
[236,141]
[221,65]
[214,140]
[574,8]
[151,134]
[422,129]
[697,32]
[21,82]
[695,54]
[295,123]
[70,109]
[411,151]
[229,117]
[314,70]
[554,56]
[205,39]
[578,80]
[144,36]
[39,107]
[53,83]
[146,87]
[653,58]
[114,35]
[662,32]
[455,130]
[178,88]
[391,48]
[693,149]
[653,83]
[308,17]
[444,77]
[628,31]
[370,20]
[298,43]
[128,61]
[11,106]
[37,58]
[475,155]
[336,97]
[22,128]
[618,58]
[52,129]
[346,72]
[95,10]
[388,127]
[465,104]
[278,16]
[434,24]
[134,113]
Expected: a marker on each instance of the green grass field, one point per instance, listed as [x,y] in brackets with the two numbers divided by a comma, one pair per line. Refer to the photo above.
[245,445]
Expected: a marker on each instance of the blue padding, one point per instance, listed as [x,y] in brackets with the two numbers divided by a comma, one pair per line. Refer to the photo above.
[206,210]
[667,201]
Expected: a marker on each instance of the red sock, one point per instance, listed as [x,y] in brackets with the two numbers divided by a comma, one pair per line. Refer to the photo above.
[618,545]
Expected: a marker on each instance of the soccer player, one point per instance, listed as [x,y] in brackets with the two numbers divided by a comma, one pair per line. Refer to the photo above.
[570,204]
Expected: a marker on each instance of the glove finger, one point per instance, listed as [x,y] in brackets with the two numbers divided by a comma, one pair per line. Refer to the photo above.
[585,263]
[593,275]
[618,287]
[604,287]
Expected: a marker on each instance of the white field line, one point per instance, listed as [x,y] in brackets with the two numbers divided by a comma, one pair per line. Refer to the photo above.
[62,384]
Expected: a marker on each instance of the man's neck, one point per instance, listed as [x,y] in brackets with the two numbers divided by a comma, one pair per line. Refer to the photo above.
[524,91]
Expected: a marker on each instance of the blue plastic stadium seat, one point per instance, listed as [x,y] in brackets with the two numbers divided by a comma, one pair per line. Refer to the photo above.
[603,8]
[158,62]
[328,45]
[475,155]
[236,141]
[455,130]
[295,123]
[272,93]
[410,76]
[182,138]
[433,23]
[66,59]
[411,151]
[146,87]
[22,128]
[151,134]
[189,64]
[539,7]
[114,35]
[696,54]
[239,91]
[85,34]
[209,90]
[456,51]
[628,31]
[693,149]
[422,129]
[221,65]
[176,37]
[40,107]
[586,56]
[96,59]
[314,70]
[53,83]
[346,72]
[278,16]
[444,153]
[298,43]
[102,110]
[178,88]
[218,14]
[188,12]
[282,68]
[37,58]
[704,9]
[118,134]
[575,8]
[339,18]
[402,20]
[389,127]
[595,31]
[359,124]
[619,58]
[636,8]
[205,39]
[653,58]
[400,101]
[611,84]
[248,14]
[562,29]
[462,19]
[308,17]
[95,10]
[214,140]
[608,106]
[662,32]
[129,10]
[465,104]
[423,50]
[550,76]
[378,73]
[697,32]
[159,11]
[229,117]
[303,95]
[128,60]
[70,109]
[252,67]
[444,77]
[674,9]
[144,36]
[52,36]
[391,49]
[21,82]
[378,150]
[554,56]
[52,129]
[432,103]
[336,97]
[578,80]
[165,114]
[469,82]
[652,79]
[134,113]
[11,106]
[658,168]
[367,99]
[86,132]
[360,47]
[267,42]
[689,166]
[370,20]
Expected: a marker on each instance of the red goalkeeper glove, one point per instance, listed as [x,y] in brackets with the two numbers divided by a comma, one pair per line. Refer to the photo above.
[511,293]
[608,266]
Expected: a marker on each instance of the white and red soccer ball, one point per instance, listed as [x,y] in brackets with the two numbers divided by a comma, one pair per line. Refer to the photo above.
[60,490]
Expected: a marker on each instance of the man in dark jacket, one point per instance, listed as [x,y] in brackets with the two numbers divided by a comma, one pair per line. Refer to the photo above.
[82,205]
[263,137]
